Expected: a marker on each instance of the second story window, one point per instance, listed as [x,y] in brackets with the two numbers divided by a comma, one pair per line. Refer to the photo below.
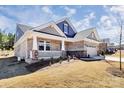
[65,28]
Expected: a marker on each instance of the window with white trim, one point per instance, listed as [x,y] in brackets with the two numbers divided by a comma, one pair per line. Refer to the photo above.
[65,28]
[41,45]
[44,46]
[47,46]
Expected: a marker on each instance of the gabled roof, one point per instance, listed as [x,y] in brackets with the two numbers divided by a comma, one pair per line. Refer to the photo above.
[68,21]
[85,33]
[49,30]
[24,28]
[55,30]
[51,25]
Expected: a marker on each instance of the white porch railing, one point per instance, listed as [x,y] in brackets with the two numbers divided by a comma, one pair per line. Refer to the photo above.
[49,54]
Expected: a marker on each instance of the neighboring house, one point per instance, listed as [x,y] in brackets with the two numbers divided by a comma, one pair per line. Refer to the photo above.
[111,45]
[106,42]
[55,39]
[102,47]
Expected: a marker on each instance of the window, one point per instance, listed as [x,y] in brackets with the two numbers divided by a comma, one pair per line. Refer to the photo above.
[41,45]
[65,28]
[44,46]
[47,46]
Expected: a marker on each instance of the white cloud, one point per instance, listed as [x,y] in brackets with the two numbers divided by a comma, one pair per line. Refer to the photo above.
[105,22]
[70,11]
[91,15]
[20,14]
[117,9]
[115,12]
[25,15]
[5,23]
[107,28]
[47,10]
[85,23]
[118,12]
[108,24]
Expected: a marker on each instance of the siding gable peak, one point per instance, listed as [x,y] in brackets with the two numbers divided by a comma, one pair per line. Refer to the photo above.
[66,27]
[68,21]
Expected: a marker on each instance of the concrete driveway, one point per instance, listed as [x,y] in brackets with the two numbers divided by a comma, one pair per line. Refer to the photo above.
[109,58]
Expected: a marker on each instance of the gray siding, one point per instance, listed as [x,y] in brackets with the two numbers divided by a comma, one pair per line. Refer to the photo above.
[71,32]
[19,33]
[49,30]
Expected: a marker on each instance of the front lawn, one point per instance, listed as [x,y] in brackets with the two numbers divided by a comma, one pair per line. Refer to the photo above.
[6,53]
[73,74]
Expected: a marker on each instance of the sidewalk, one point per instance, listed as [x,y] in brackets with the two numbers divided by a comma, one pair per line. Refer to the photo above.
[114,58]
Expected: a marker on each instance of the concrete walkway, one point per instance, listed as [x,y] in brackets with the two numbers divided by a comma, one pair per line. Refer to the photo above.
[113,58]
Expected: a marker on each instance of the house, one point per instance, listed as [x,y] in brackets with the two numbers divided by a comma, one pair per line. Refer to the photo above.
[54,39]
[107,45]
[106,40]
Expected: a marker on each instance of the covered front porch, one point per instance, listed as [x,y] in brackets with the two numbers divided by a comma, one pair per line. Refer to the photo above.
[40,47]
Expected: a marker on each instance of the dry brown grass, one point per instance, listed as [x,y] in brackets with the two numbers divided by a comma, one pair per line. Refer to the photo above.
[75,74]
[6,53]
[117,54]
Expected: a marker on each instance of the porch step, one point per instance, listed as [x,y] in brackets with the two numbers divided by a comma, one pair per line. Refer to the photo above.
[30,61]
[95,58]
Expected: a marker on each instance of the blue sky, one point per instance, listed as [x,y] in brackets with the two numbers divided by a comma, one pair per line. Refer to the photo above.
[104,18]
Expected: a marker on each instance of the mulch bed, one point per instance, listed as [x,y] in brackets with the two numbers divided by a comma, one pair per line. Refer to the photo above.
[116,71]
[41,64]
[9,59]
[35,66]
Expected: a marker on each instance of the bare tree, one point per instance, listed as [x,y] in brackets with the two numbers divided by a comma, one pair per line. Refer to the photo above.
[120,46]
[120,22]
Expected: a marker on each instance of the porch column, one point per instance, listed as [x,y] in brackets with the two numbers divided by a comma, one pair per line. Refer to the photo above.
[26,47]
[63,45]
[35,47]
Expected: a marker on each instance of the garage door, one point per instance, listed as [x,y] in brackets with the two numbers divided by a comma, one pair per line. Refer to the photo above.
[92,51]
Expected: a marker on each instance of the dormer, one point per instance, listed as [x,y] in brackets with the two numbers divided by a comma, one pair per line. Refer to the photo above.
[66,27]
